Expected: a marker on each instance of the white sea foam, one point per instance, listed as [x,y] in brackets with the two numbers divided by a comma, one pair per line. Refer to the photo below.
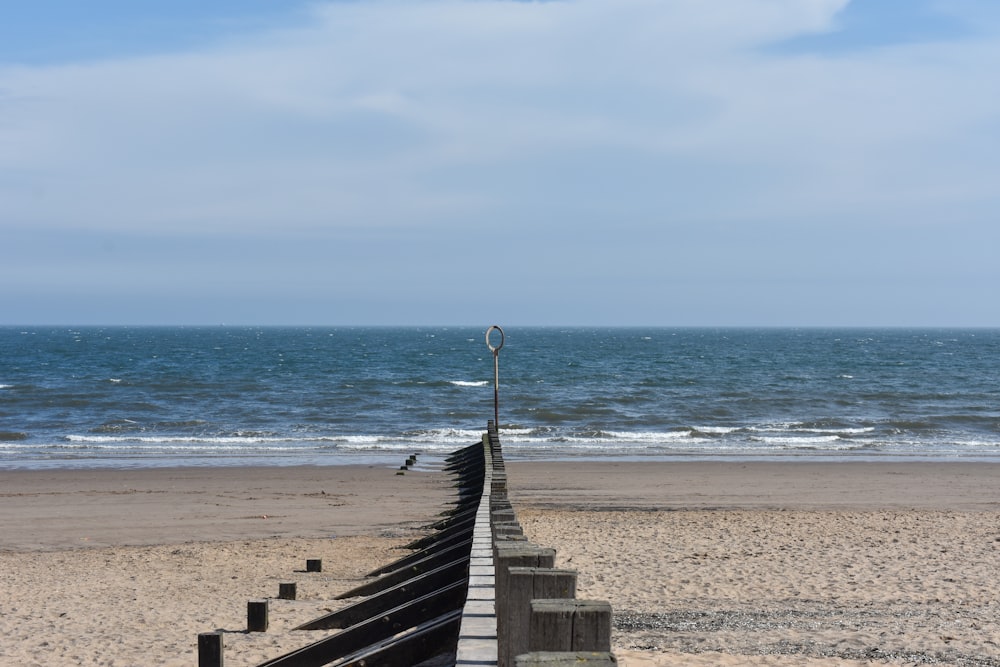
[796,441]
[978,444]
[649,436]
[196,442]
[717,430]
[431,439]
[469,383]
[776,426]
[6,386]
[515,432]
[842,431]
[799,427]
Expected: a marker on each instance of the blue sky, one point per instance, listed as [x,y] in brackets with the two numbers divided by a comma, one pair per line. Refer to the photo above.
[601,162]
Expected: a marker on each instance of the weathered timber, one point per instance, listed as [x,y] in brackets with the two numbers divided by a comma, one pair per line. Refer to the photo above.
[506,529]
[460,506]
[362,636]
[525,584]
[287,591]
[430,640]
[210,649]
[454,518]
[570,625]
[502,515]
[467,461]
[464,451]
[399,576]
[474,471]
[257,616]
[412,611]
[459,528]
[451,546]
[314,565]
[390,598]
[508,554]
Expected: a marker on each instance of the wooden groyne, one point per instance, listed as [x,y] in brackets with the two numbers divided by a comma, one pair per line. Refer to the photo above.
[522,611]
[473,592]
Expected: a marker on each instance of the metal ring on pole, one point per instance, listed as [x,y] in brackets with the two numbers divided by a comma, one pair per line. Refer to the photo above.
[496,349]
[496,374]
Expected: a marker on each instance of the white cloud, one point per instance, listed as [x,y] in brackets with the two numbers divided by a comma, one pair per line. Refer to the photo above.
[431,113]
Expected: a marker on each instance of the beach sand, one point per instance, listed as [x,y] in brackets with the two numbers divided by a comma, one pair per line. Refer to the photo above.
[810,564]
[779,564]
[101,567]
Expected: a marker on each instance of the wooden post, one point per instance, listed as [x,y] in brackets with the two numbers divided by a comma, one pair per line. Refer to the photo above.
[507,554]
[210,649]
[257,616]
[286,591]
[525,584]
[314,565]
[503,515]
[506,529]
[570,625]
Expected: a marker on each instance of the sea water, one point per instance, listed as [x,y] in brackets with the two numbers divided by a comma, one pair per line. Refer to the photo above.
[126,396]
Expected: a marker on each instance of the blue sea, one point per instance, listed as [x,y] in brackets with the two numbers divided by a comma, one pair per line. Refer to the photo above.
[213,396]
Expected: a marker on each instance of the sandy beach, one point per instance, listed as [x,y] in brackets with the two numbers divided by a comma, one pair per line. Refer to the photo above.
[704,563]
[105,567]
[779,564]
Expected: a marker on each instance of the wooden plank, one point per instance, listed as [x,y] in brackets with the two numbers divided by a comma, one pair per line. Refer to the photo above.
[592,626]
[361,636]
[454,548]
[524,585]
[446,575]
[570,625]
[399,576]
[463,527]
[436,638]
[514,554]
[551,626]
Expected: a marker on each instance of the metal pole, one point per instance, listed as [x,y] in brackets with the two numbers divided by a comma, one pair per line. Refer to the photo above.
[496,372]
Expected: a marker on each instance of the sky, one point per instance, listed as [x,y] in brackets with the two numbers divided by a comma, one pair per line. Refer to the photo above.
[477,162]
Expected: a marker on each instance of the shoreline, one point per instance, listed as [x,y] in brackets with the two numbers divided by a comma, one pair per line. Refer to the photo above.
[70,508]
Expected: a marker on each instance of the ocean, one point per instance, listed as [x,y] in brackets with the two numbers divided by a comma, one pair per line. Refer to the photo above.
[213,396]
